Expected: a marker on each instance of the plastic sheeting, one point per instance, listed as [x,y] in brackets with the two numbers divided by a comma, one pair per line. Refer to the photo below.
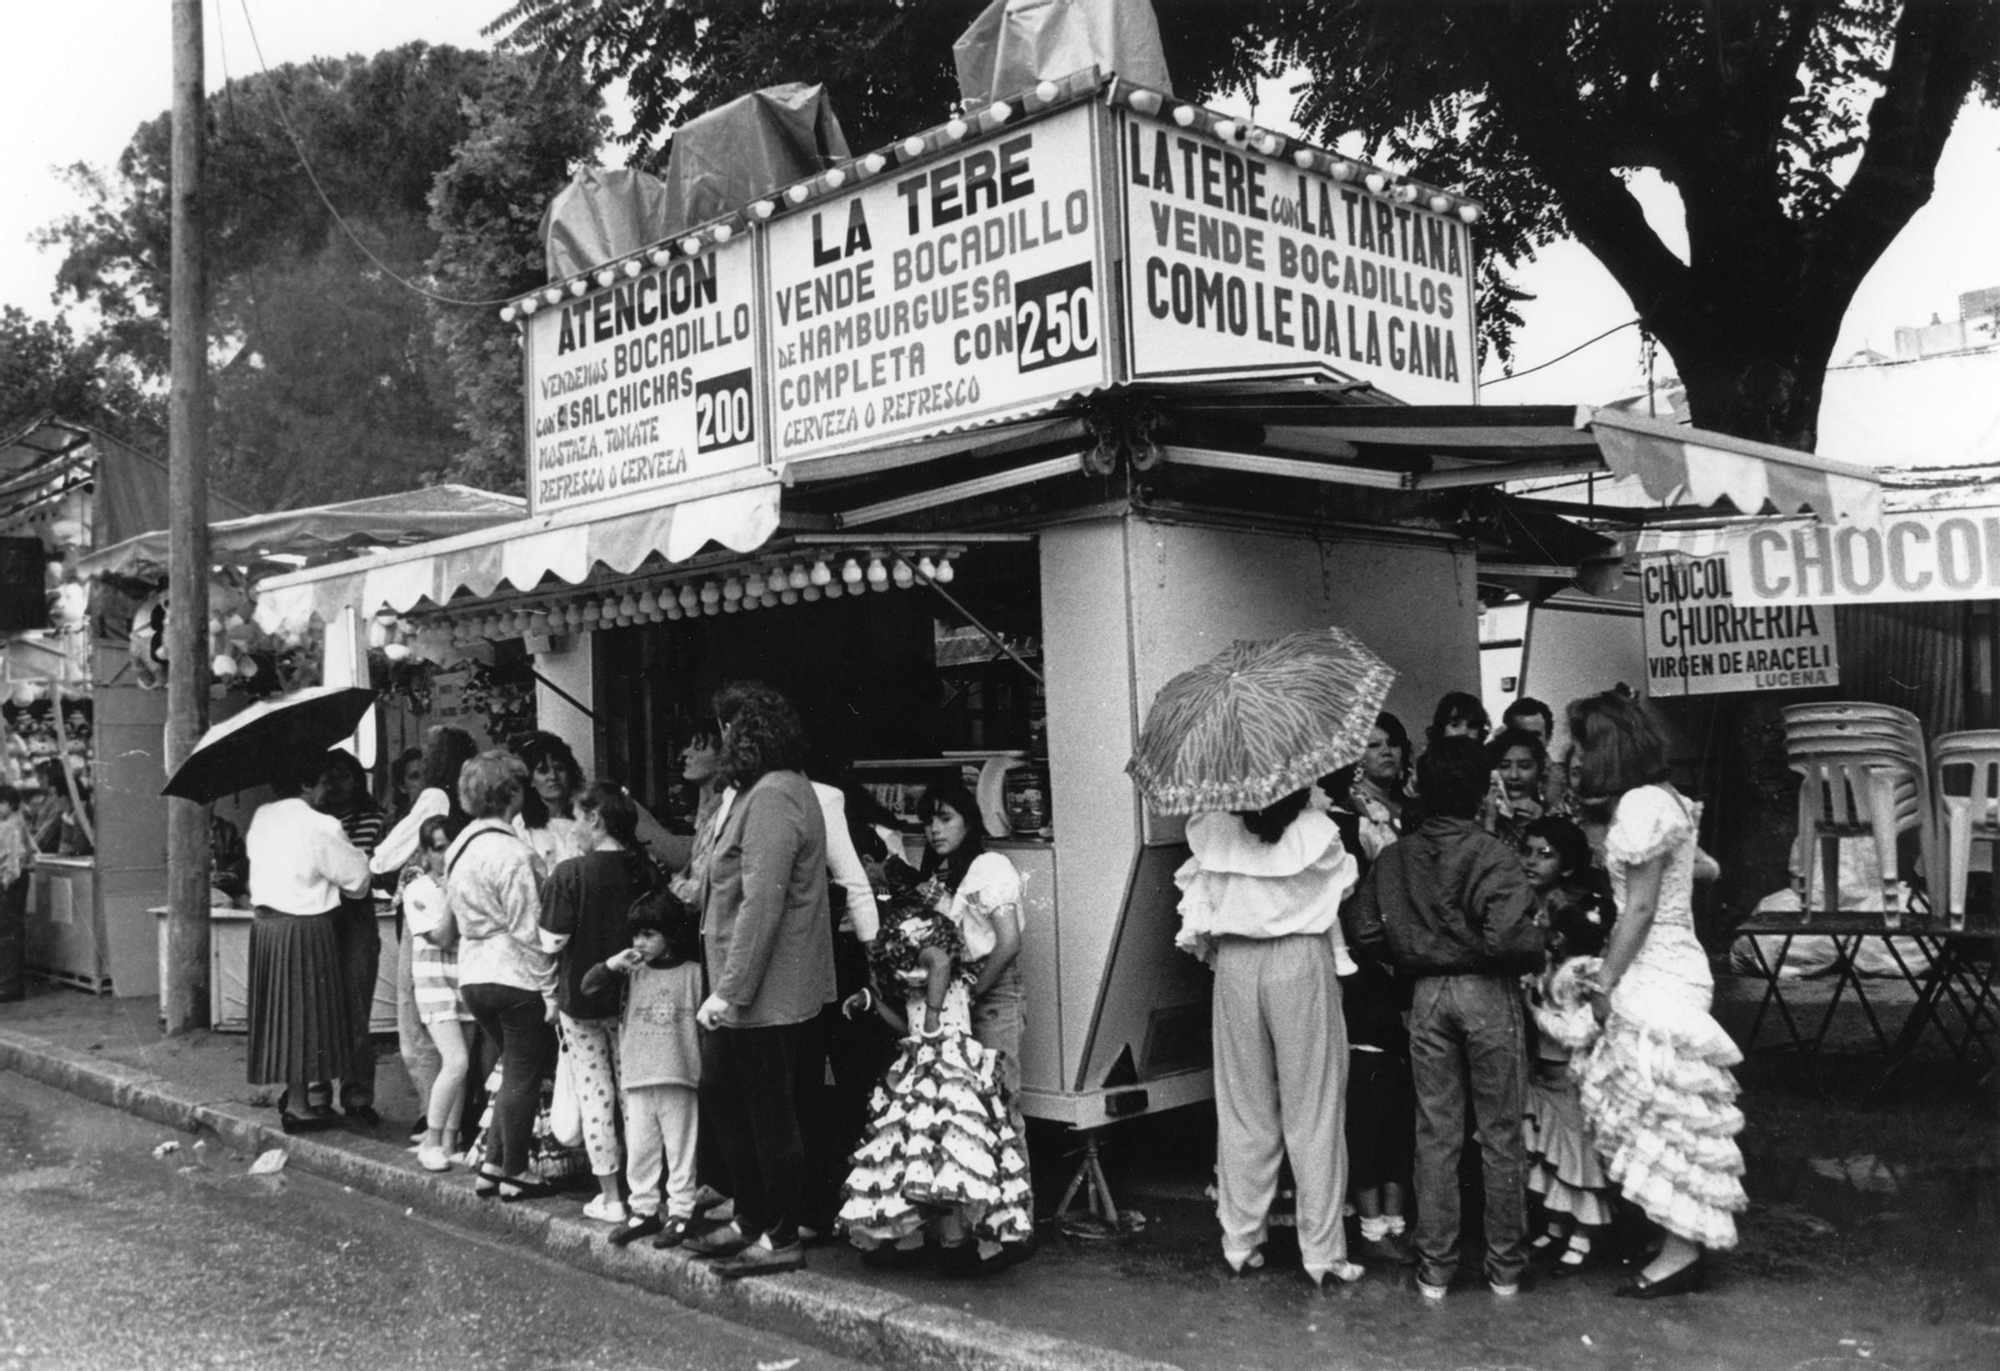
[601,216]
[746,149]
[1015,45]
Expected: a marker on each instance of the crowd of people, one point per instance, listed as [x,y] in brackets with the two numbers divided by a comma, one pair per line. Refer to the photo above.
[1487,952]
[793,1031]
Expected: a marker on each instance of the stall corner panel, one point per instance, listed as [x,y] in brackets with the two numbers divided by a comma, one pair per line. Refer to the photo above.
[1239,265]
[645,383]
[950,292]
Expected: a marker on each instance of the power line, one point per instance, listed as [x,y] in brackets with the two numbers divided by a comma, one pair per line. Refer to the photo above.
[1515,375]
[305,164]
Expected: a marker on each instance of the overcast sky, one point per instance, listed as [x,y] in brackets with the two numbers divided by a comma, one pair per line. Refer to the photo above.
[88,72]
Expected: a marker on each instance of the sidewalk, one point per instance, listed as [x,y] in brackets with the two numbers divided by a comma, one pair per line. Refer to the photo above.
[1874,1235]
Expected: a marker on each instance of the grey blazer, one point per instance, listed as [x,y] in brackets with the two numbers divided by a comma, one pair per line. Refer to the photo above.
[770,940]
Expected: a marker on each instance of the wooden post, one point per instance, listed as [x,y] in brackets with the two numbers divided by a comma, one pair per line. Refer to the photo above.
[185,995]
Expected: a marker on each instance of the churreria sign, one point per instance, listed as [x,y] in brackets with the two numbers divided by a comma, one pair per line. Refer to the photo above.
[1701,641]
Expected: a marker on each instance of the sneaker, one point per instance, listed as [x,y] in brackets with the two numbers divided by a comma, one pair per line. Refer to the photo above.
[1504,1289]
[1432,1293]
[605,1209]
[433,1159]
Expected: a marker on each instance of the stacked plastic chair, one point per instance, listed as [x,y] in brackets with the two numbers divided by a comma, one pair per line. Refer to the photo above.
[1973,816]
[1866,775]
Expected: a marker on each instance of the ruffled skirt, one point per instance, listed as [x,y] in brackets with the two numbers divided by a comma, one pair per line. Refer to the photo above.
[1563,1165]
[939,1147]
[1660,1102]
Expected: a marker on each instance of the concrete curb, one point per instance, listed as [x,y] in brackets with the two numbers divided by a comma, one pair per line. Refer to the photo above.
[843,1316]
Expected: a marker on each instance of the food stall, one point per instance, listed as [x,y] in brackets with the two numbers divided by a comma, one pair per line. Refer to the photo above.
[968,444]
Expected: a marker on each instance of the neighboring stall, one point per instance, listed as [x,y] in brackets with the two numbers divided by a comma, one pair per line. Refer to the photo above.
[1100,381]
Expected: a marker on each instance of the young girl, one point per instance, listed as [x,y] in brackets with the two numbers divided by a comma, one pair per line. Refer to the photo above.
[1563,1165]
[1520,766]
[659,1061]
[941,1153]
[434,981]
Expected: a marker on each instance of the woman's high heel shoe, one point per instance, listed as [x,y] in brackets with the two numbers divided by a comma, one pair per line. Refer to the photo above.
[1692,1277]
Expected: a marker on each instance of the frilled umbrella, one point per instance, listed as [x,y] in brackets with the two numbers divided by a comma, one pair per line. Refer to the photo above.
[267,740]
[1259,721]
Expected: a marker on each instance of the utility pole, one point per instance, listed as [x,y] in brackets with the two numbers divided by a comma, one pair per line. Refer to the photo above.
[186,991]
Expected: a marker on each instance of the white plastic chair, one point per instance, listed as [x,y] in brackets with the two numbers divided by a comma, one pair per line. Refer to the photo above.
[1861,791]
[1973,816]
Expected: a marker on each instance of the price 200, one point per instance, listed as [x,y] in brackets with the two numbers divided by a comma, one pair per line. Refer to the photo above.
[723,413]
[1055,318]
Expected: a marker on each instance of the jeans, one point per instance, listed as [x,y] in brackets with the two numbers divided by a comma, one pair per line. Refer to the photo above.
[360,958]
[1467,1045]
[749,1098]
[516,1019]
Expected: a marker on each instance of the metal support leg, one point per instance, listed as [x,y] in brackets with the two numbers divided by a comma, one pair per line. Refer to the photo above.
[1100,1218]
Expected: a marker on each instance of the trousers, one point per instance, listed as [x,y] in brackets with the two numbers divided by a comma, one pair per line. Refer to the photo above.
[592,1045]
[516,1020]
[1280,1087]
[360,960]
[659,1148]
[1468,1049]
[749,1097]
[413,1041]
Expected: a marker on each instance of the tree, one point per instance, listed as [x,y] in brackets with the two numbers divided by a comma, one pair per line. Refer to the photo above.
[46,369]
[331,380]
[1758,112]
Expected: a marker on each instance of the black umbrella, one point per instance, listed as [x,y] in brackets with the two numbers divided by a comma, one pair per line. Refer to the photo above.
[266,741]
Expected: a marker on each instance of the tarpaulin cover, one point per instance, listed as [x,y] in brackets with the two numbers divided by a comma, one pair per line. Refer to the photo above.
[746,149]
[1014,45]
[604,214]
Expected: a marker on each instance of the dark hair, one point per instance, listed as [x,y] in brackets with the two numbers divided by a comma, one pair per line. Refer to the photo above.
[1458,707]
[402,764]
[345,763]
[1399,737]
[1270,822]
[10,796]
[1525,706]
[954,796]
[764,733]
[1564,838]
[661,911]
[1579,922]
[704,731]
[447,748]
[1452,777]
[1507,739]
[1619,744]
[539,747]
[614,805]
[428,830]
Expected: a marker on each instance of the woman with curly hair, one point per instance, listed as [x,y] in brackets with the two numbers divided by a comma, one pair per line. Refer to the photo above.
[548,820]
[770,969]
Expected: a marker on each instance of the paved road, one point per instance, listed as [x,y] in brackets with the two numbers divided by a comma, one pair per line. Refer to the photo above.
[112,1258]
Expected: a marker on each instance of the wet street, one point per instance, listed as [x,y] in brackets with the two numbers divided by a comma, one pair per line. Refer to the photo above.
[115,1258]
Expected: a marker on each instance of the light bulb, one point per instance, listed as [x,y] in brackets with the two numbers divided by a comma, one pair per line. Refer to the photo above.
[902,575]
[659,257]
[797,194]
[851,572]
[1146,101]
[716,608]
[690,599]
[633,267]
[579,286]
[999,112]
[878,575]
[223,665]
[944,571]
[538,624]
[592,612]
[1304,159]
[1047,91]
[1440,203]
[691,245]
[1225,129]
[732,590]
[722,233]
[788,596]
[835,178]
[820,574]
[530,305]
[553,295]
[246,667]
[649,605]
[1184,115]
[1341,171]
[873,163]
[606,277]
[395,652]
[628,606]
[1376,182]
[768,600]
[763,209]
[913,146]
[798,578]
[672,609]
[926,568]
[753,586]
[507,314]
[956,130]
[810,593]
[1469,213]
[711,594]
[833,590]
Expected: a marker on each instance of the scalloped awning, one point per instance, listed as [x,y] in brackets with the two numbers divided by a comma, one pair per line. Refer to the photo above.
[567,545]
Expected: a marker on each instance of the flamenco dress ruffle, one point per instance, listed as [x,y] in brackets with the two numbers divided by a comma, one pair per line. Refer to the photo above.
[1658,1090]
[939,1146]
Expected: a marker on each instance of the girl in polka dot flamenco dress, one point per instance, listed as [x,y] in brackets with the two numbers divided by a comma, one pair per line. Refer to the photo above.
[941,1159]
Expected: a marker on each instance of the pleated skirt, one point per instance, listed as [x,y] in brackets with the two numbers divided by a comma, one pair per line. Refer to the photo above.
[301,1027]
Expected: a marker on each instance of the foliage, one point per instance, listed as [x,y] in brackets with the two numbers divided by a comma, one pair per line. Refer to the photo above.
[527,132]
[46,369]
[330,381]
[886,64]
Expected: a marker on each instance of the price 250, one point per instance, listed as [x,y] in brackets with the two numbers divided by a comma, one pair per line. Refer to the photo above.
[1055,318]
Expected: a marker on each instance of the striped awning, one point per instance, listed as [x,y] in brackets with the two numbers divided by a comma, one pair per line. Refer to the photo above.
[568,545]
[1681,465]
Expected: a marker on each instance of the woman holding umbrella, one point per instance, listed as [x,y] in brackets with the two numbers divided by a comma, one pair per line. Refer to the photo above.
[1237,743]
[301,1022]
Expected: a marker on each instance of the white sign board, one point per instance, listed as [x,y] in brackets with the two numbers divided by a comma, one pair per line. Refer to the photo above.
[940,295]
[1241,265]
[645,384]
[1938,555]
[1701,639]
